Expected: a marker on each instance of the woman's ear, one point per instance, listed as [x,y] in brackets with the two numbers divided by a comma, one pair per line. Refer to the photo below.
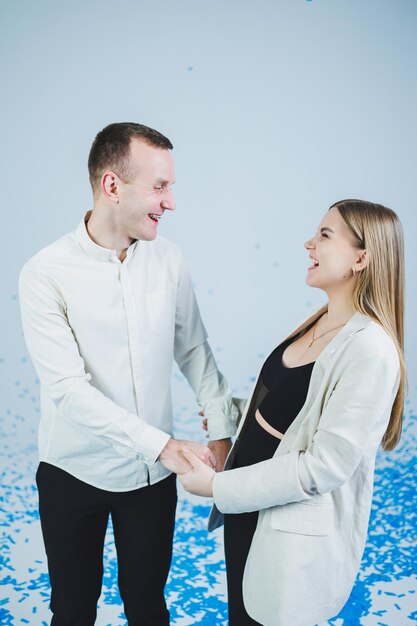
[362,261]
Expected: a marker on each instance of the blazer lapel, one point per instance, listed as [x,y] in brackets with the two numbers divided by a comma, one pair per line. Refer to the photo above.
[319,379]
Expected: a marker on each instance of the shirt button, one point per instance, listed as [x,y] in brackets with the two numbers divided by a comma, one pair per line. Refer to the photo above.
[141,457]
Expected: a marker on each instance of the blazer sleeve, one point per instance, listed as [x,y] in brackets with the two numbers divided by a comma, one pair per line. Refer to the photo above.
[359,405]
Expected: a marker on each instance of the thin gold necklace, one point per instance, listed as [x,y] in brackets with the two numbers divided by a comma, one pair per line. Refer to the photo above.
[322,335]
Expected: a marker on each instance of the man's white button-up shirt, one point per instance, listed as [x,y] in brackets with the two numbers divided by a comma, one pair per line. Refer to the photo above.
[102,335]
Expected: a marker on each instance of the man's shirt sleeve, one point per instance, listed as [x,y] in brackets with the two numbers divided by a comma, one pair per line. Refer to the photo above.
[196,361]
[62,372]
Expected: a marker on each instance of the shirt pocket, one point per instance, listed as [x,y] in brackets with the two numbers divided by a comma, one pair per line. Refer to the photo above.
[160,306]
[303,518]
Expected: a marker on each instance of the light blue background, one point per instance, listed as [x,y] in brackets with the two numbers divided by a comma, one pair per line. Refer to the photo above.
[276,110]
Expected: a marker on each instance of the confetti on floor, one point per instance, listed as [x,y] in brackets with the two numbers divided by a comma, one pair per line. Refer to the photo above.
[385,591]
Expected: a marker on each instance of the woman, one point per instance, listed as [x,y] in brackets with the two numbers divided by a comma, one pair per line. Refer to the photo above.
[297,487]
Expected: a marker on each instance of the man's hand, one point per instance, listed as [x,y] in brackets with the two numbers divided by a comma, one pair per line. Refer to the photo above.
[220,448]
[174,460]
[199,479]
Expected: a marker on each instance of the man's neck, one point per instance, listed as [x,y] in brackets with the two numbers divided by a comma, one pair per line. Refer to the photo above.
[103,230]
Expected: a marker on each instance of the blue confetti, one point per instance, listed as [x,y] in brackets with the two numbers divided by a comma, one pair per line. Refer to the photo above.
[196,586]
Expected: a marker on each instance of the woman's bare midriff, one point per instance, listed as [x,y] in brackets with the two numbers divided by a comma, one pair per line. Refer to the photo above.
[264,424]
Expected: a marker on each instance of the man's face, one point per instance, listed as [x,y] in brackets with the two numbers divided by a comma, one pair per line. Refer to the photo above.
[144,199]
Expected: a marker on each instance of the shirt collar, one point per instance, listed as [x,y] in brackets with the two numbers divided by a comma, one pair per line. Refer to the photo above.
[96,251]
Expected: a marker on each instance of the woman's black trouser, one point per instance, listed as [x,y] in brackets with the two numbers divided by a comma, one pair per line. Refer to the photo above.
[238,533]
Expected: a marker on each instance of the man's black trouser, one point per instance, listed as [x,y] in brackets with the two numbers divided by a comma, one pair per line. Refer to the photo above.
[74,518]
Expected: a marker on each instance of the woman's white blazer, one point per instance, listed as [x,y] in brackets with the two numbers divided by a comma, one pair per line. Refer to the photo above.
[315,494]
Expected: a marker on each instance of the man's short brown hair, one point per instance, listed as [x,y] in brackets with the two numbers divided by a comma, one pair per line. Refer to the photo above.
[111,149]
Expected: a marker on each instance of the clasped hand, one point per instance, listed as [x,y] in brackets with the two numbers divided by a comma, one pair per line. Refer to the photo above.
[173,458]
[193,462]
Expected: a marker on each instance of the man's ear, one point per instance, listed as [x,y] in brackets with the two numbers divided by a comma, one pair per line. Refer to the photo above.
[110,186]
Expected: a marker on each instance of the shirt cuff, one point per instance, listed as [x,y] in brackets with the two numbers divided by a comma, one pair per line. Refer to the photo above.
[221,418]
[150,444]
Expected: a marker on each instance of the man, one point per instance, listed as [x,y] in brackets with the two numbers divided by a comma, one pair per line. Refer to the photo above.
[105,309]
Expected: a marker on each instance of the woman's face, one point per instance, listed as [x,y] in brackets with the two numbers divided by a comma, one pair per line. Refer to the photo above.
[332,254]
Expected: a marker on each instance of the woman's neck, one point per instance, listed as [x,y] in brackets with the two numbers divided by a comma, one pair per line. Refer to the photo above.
[340,309]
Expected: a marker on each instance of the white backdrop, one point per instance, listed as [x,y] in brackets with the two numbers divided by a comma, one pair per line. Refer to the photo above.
[276,109]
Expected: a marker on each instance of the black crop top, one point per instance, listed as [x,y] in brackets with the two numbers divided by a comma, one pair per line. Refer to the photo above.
[280,394]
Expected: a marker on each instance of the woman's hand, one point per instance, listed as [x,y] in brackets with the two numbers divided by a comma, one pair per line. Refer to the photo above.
[199,479]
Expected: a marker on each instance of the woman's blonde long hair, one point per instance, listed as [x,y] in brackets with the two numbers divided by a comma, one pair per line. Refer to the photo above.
[379,289]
